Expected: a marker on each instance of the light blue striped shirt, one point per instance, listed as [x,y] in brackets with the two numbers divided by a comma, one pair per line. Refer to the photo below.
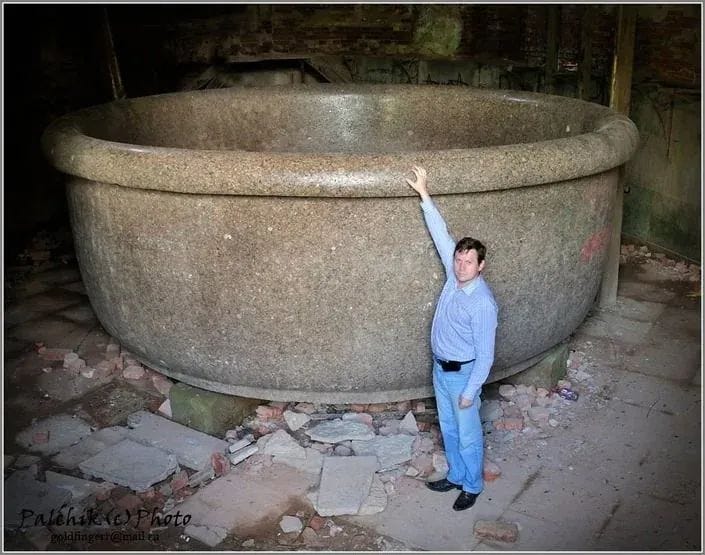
[465,321]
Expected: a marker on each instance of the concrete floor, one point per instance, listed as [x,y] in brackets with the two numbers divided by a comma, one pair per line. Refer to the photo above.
[622,471]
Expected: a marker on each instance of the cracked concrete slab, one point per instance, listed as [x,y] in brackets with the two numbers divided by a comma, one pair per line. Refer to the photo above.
[131,464]
[51,435]
[345,484]
[193,449]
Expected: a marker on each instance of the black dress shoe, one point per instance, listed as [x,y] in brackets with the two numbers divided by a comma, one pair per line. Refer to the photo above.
[464,501]
[442,485]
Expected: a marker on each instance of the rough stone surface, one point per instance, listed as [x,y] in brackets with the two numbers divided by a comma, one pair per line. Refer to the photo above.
[390,450]
[63,430]
[345,484]
[80,489]
[408,424]
[311,463]
[289,524]
[23,461]
[496,530]
[230,336]
[210,412]
[130,464]
[295,420]
[89,446]
[547,372]
[335,431]
[22,491]
[376,501]
[490,410]
[210,535]
[281,444]
[192,448]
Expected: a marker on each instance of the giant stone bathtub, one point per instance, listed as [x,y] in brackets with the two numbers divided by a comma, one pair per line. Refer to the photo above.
[263,242]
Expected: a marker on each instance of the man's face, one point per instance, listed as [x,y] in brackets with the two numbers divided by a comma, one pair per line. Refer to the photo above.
[466,266]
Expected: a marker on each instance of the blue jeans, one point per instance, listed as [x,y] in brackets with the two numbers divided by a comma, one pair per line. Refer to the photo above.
[461,428]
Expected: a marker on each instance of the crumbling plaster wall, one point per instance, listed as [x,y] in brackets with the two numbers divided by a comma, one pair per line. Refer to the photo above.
[662,205]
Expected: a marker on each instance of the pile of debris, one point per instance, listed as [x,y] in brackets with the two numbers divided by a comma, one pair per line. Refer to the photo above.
[356,453]
[677,270]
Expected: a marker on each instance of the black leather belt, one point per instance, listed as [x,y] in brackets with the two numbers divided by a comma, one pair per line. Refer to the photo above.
[451,365]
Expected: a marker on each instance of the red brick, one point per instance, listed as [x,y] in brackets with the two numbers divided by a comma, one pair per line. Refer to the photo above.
[509,424]
[269,412]
[179,481]
[496,530]
[358,408]
[317,522]
[490,471]
[220,464]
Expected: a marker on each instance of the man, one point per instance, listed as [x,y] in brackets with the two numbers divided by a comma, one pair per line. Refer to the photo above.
[462,341]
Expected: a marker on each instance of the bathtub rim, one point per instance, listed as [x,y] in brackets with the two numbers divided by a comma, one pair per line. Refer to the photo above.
[613,140]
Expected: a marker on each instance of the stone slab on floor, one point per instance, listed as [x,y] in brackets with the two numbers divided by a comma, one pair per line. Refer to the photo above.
[345,484]
[312,463]
[63,386]
[53,331]
[90,446]
[46,302]
[389,450]
[80,490]
[23,493]
[245,502]
[193,449]
[51,435]
[131,464]
[335,431]
[612,326]
[208,411]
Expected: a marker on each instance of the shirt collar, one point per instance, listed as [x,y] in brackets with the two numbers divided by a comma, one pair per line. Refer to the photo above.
[470,287]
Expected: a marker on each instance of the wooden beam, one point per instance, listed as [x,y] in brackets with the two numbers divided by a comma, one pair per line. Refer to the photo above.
[111,61]
[620,97]
[585,64]
[551,48]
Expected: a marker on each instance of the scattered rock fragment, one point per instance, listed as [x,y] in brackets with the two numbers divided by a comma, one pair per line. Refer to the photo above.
[335,431]
[296,420]
[496,530]
[507,391]
[209,535]
[490,471]
[289,524]
[389,450]
[133,372]
[408,424]
[244,453]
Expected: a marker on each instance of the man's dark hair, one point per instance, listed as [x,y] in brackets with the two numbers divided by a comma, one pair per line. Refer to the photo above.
[467,244]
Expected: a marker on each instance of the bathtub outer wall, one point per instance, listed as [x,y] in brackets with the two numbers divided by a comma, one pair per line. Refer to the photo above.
[329,299]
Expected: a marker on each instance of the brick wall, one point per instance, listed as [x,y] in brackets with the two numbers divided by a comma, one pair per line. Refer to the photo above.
[668,45]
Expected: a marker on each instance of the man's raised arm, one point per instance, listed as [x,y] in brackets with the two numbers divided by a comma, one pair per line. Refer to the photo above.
[445,244]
